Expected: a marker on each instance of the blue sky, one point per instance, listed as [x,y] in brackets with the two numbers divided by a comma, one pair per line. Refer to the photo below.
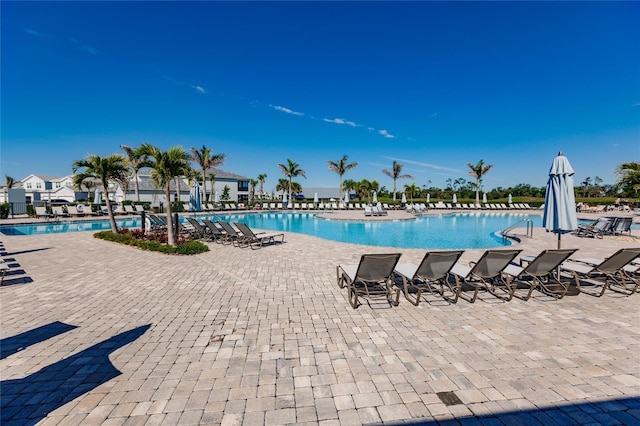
[433,85]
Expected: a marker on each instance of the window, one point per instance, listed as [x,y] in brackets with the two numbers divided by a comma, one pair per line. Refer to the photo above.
[243,198]
[39,185]
[58,185]
[28,185]
[243,185]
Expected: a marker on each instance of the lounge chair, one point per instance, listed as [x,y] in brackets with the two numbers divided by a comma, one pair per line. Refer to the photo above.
[372,276]
[128,209]
[4,267]
[139,208]
[612,271]
[597,229]
[59,212]
[41,211]
[156,222]
[73,211]
[487,272]
[433,270]
[368,211]
[252,239]
[217,232]
[540,273]
[200,229]
[621,225]
[232,236]
[86,210]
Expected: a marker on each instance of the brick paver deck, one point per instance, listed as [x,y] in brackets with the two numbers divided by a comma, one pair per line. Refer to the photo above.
[98,333]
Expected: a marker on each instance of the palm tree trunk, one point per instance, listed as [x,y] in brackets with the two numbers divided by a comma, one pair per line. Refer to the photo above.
[477,191]
[394,190]
[170,233]
[112,219]
[135,182]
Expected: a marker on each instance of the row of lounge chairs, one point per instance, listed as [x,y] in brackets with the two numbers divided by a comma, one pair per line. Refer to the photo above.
[84,210]
[463,206]
[605,226]
[239,235]
[441,274]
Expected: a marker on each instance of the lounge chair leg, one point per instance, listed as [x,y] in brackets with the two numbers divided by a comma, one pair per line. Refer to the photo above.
[339,277]
[416,301]
[353,296]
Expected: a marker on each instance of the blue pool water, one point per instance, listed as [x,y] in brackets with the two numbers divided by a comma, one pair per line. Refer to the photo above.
[447,231]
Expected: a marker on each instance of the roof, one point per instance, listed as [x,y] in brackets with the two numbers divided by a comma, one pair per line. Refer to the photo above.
[223,174]
[323,192]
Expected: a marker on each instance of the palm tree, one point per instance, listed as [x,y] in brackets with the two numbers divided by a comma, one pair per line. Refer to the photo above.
[341,167]
[10,183]
[283,185]
[205,158]
[212,179]
[165,166]
[262,178]
[291,170]
[395,175]
[477,171]
[135,162]
[349,185]
[252,190]
[629,177]
[105,170]
[412,189]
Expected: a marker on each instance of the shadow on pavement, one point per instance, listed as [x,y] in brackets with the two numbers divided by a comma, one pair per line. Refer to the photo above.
[13,344]
[28,400]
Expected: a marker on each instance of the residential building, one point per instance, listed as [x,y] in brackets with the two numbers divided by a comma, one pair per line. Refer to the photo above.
[60,189]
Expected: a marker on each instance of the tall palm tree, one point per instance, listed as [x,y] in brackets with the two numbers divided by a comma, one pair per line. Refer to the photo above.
[291,170]
[252,188]
[212,179]
[629,177]
[165,166]
[478,171]
[341,167]
[105,170]
[10,182]
[135,162]
[395,174]
[262,178]
[205,158]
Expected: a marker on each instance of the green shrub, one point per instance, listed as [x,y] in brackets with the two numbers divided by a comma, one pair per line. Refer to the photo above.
[152,244]
[5,208]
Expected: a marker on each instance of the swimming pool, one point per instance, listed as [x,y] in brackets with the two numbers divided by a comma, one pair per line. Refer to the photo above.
[445,231]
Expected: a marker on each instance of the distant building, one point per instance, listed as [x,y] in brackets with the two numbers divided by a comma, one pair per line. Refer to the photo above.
[60,189]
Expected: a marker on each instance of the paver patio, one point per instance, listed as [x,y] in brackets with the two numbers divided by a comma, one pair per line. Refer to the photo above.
[99,333]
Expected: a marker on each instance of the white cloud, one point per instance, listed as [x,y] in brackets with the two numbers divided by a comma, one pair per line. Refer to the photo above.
[199,89]
[286,110]
[386,134]
[340,121]
[421,164]
[34,33]
[635,104]
[83,48]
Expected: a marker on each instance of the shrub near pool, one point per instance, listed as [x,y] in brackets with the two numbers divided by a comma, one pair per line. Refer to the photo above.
[153,243]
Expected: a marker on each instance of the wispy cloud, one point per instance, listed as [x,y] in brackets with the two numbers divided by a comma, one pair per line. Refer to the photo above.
[635,104]
[82,47]
[340,121]
[421,164]
[286,110]
[35,33]
[198,88]
[386,134]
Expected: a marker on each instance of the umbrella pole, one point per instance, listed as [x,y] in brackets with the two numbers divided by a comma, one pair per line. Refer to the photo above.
[559,243]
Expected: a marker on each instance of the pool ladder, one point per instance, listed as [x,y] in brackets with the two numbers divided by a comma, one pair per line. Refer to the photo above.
[529,222]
